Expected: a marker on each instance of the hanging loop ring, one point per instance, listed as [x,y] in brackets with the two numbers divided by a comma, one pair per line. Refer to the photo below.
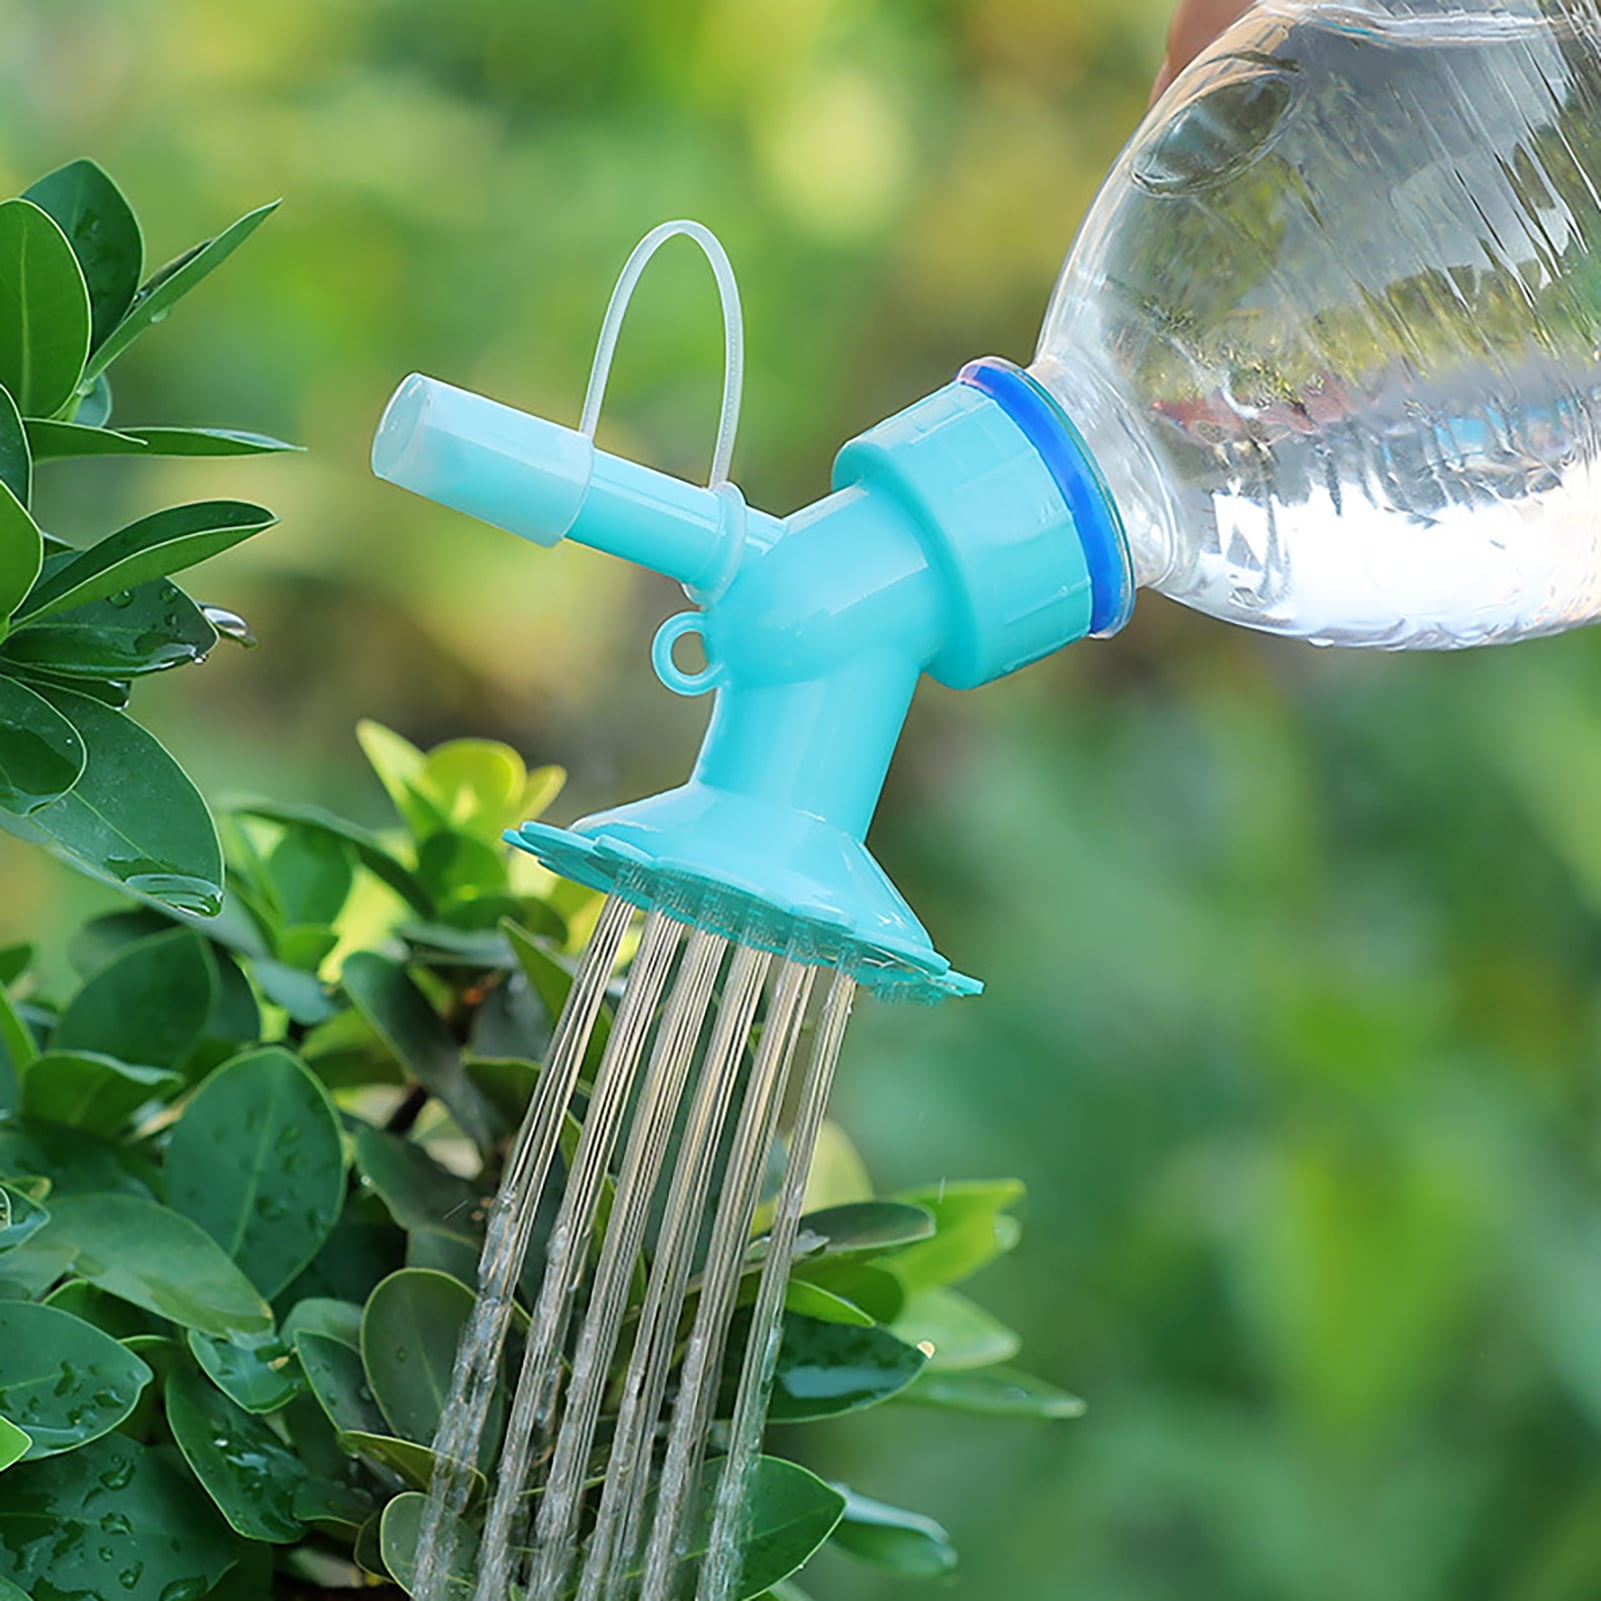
[733,336]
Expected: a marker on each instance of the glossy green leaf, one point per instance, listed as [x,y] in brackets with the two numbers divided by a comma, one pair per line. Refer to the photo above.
[62,1380]
[111,1520]
[960,1333]
[476,784]
[398,1532]
[825,1369]
[133,816]
[21,552]
[259,1373]
[889,1537]
[451,1254]
[55,441]
[862,1228]
[75,1162]
[257,1161]
[104,235]
[15,960]
[552,980]
[404,1462]
[88,1090]
[317,1314]
[994,1391]
[310,873]
[14,1446]
[116,1318]
[330,1506]
[789,1514]
[368,847]
[41,754]
[409,1334]
[356,1258]
[126,635]
[17,1049]
[306,945]
[419,1193]
[456,866]
[94,403]
[972,1227]
[170,284]
[243,1466]
[154,1258]
[506,1083]
[16,459]
[156,546]
[20,1217]
[339,1382]
[865,1284]
[44,310]
[813,1300]
[148,1004]
[399,1012]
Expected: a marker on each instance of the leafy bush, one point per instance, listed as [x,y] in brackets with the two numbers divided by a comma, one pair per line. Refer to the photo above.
[79,625]
[242,1201]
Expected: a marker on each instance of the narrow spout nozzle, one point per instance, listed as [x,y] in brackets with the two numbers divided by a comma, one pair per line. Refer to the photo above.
[493,462]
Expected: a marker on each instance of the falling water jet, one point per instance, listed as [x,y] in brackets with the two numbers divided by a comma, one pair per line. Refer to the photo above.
[565,1252]
[511,1221]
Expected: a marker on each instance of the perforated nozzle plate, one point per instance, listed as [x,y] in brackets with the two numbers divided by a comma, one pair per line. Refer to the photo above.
[893,969]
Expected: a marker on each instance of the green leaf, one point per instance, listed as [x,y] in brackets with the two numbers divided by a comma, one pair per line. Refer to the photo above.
[241,1464]
[357,1257]
[21,552]
[133,816]
[16,458]
[257,1162]
[170,284]
[889,1537]
[409,1333]
[789,1514]
[456,866]
[156,546]
[88,1090]
[14,1446]
[15,960]
[332,1507]
[477,785]
[44,310]
[154,1258]
[106,1312]
[369,848]
[20,1217]
[959,1331]
[310,874]
[812,1300]
[17,1046]
[110,1519]
[104,235]
[63,1380]
[862,1228]
[824,1369]
[402,1017]
[75,1162]
[971,1228]
[136,631]
[874,1289]
[318,1314]
[551,981]
[41,754]
[94,405]
[52,440]
[257,1373]
[419,1193]
[399,764]
[454,1255]
[148,1004]
[404,1462]
[339,1382]
[994,1391]
[398,1532]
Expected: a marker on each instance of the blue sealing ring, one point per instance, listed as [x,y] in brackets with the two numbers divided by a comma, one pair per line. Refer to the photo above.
[1061,447]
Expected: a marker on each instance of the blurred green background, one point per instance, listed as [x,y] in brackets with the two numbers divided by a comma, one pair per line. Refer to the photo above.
[1293,1024]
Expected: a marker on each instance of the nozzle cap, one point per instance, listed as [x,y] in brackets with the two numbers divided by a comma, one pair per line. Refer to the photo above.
[493,462]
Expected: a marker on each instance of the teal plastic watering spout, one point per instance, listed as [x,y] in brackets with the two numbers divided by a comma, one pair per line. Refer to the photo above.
[965,537]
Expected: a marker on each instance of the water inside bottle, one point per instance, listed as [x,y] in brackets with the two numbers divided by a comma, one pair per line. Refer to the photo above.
[1332,329]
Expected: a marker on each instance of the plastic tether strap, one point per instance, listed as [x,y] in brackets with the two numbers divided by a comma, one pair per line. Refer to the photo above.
[733,336]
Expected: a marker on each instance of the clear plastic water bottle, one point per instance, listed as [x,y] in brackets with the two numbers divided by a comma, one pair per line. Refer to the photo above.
[1333,327]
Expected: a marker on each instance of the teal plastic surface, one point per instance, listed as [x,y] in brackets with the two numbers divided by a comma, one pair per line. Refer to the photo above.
[949,546]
